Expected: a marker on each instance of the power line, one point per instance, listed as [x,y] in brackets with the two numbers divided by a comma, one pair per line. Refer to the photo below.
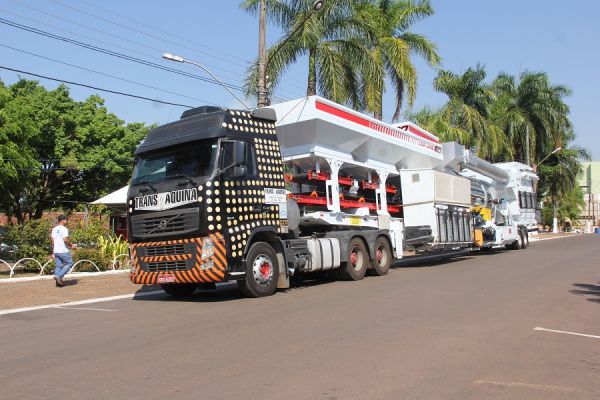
[104,74]
[246,62]
[148,34]
[104,32]
[130,50]
[278,97]
[165,32]
[113,53]
[95,88]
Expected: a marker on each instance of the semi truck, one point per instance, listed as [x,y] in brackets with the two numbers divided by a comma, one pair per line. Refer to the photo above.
[297,188]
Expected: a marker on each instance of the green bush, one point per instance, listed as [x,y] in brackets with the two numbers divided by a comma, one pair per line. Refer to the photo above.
[31,240]
[103,262]
[86,232]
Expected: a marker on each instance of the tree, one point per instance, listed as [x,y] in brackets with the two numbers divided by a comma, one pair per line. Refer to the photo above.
[55,151]
[558,175]
[386,24]
[468,111]
[329,38]
[531,112]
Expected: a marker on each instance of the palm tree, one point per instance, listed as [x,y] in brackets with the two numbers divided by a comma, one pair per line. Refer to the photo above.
[329,38]
[532,113]
[468,111]
[433,121]
[386,24]
[558,175]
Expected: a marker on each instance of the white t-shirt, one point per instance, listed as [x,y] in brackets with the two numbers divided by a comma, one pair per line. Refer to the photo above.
[59,233]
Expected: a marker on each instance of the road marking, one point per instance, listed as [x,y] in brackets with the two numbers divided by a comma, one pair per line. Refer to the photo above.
[537,328]
[81,302]
[552,388]
[66,307]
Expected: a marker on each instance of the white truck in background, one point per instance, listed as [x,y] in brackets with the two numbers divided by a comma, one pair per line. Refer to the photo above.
[503,197]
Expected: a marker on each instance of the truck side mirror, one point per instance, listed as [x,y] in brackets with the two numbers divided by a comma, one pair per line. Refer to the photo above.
[238,171]
[240,152]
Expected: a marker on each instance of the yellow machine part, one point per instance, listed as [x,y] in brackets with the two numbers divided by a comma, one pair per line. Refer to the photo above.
[486,213]
[479,237]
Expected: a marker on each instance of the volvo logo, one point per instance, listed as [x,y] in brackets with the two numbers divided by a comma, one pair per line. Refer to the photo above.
[162,225]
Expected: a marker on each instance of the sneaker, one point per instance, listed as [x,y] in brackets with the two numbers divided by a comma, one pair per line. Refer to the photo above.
[59,282]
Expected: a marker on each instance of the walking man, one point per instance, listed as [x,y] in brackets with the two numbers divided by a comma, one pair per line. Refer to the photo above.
[60,247]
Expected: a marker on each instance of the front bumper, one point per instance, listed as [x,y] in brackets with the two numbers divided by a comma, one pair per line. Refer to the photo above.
[178,261]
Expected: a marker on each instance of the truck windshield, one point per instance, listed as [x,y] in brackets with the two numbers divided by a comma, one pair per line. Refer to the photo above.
[189,160]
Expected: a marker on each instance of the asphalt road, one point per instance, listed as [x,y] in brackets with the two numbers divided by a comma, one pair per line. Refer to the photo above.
[457,330]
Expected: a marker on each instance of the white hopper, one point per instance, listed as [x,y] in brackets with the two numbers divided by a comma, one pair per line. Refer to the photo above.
[312,124]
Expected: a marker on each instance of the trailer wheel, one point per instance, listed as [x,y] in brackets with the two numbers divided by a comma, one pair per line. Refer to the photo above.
[382,258]
[262,271]
[355,268]
[180,290]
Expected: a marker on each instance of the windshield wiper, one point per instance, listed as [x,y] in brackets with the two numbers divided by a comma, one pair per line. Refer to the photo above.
[187,177]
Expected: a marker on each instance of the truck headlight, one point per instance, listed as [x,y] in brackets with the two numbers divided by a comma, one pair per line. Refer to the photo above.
[208,248]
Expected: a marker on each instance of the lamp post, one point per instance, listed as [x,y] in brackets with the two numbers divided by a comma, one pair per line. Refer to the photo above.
[179,59]
[263,62]
[545,158]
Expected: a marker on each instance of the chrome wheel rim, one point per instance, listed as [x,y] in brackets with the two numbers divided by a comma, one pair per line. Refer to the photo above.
[262,270]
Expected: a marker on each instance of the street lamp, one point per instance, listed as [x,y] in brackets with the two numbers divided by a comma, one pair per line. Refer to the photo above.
[263,62]
[545,158]
[179,59]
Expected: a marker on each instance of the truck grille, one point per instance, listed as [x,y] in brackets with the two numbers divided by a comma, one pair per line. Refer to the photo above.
[168,257]
[165,250]
[180,265]
[165,223]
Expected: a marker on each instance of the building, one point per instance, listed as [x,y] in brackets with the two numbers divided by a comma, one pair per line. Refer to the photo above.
[117,201]
[589,181]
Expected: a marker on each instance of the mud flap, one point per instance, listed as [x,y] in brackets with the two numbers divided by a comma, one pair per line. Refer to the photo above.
[284,280]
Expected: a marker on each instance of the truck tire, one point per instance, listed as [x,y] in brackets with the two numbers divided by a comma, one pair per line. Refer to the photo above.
[382,258]
[179,290]
[262,271]
[525,238]
[517,244]
[355,268]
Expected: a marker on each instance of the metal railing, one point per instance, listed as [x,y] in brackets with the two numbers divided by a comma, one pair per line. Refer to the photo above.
[117,264]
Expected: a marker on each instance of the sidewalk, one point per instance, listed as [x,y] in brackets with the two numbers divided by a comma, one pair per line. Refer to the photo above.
[550,235]
[41,292]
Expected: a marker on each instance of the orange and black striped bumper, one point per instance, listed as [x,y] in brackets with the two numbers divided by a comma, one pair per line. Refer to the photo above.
[180,252]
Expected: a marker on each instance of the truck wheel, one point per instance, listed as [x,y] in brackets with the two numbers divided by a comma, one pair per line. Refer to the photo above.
[262,271]
[354,269]
[383,258]
[525,238]
[179,290]
[517,244]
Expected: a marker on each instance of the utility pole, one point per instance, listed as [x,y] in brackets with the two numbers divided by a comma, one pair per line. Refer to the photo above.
[262,55]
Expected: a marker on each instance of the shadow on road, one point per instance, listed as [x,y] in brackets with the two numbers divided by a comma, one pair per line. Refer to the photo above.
[229,291]
[223,293]
[591,292]
[416,263]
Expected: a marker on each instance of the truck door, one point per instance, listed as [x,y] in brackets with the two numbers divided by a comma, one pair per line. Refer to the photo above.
[241,201]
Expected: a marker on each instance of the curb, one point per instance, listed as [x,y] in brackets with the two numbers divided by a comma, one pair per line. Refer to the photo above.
[560,237]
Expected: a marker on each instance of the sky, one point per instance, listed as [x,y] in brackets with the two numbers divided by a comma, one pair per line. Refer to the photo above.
[508,36]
